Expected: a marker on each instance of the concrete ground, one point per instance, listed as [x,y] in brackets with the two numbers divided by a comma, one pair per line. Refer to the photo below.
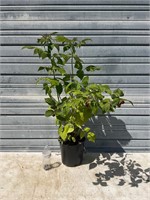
[100,177]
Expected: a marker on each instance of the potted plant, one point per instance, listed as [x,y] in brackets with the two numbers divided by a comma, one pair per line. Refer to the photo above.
[72,99]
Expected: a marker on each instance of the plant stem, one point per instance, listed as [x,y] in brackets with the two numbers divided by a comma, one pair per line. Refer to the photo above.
[72,66]
[56,90]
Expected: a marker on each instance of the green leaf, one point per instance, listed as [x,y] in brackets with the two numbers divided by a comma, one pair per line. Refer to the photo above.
[28,47]
[99,95]
[60,61]
[117,93]
[78,59]
[86,129]
[83,42]
[50,47]
[66,47]
[85,81]
[74,39]
[66,78]
[61,38]
[59,88]
[56,46]
[81,114]
[61,71]
[105,105]
[115,102]
[82,134]
[92,68]
[66,57]
[78,121]
[91,137]
[106,88]
[80,74]
[47,89]
[51,101]
[93,87]
[41,68]
[60,129]
[44,55]
[52,81]
[86,39]
[49,113]
[73,139]
[78,93]
[71,86]
[38,51]
[53,33]
[68,128]
[53,62]
[78,65]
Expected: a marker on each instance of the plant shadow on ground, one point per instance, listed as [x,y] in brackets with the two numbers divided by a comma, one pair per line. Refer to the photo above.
[118,166]
[111,138]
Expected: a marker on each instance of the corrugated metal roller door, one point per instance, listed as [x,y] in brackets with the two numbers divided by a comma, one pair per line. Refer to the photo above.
[120,34]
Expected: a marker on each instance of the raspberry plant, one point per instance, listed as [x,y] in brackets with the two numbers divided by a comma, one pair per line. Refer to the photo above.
[71,98]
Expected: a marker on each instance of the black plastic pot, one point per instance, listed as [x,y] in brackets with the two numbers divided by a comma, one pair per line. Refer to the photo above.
[72,155]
